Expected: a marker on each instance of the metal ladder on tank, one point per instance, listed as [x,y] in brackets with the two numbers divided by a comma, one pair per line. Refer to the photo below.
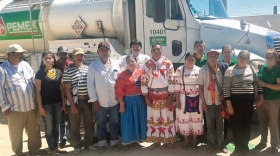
[40,20]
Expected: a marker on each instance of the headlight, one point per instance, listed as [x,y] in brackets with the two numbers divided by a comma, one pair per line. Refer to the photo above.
[273,40]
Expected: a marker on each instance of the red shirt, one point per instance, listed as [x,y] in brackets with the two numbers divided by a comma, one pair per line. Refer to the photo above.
[125,84]
[61,66]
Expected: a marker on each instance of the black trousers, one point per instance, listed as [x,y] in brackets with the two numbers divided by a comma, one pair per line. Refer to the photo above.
[241,125]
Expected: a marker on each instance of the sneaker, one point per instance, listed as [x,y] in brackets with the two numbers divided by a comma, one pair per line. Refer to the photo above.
[274,150]
[225,150]
[38,152]
[77,151]
[92,148]
[260,146]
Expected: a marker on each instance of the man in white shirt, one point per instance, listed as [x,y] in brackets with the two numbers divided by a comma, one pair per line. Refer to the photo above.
[17,100]
[101,79]
[135,47]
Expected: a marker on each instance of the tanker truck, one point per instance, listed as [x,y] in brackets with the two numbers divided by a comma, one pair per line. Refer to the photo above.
[40,25]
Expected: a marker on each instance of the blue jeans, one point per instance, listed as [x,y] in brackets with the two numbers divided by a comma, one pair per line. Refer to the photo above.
[63,128]
[52,121]
[101,116]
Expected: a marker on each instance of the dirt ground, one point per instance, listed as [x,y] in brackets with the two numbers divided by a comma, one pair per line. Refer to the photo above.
[5,145]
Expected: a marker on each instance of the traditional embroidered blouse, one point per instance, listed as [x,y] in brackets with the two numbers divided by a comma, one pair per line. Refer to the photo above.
[127,84]
[157,74]
[190,77]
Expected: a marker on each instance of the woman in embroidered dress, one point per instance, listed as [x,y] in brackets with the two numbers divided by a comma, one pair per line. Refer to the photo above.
[50,96]
[132,107]
[157,87]
[189,114]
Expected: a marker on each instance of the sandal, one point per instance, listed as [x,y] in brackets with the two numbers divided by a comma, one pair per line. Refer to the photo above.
[210,149]
[154,146]
[53,153]
[194,146]
[101,149]
[124,148]
[171,146]
[61,151]
[116,148]
[39,152]
[185,145]
[137,145]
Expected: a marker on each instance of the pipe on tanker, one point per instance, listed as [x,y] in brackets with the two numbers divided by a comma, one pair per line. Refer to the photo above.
[275,9]
[225,4]
[132,18]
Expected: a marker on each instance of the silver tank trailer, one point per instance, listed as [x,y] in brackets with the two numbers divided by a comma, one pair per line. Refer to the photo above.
[60,15]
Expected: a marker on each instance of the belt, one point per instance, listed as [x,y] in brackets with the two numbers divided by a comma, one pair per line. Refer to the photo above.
[159,89]
[83,97]
[134,94]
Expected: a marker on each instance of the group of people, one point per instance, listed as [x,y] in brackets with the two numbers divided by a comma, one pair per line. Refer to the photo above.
[141,97]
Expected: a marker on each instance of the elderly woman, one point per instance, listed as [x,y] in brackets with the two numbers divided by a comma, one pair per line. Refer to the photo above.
[227,55]
[239,95]
[158,88]
[189,116]
[269,76]
[132,107]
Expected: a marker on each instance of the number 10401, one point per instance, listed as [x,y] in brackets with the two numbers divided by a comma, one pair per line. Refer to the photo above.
[158,32]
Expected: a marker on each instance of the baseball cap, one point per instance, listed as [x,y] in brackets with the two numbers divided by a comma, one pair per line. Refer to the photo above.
[77,51]
[103,45]
[213,51]
[15,48]
[62,49]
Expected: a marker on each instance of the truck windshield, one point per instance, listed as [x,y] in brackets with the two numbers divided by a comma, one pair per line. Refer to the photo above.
[207,9]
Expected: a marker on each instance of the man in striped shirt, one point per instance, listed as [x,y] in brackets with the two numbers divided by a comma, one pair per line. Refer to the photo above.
[75,85]
[17,100]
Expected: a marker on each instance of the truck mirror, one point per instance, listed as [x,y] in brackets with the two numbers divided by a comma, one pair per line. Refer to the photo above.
[159,11]
[243,24]
[176,48]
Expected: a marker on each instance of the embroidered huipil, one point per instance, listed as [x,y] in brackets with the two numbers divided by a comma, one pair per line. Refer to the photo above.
[126,84]
[157,74]
[160,123]
[16,87]
[188,122]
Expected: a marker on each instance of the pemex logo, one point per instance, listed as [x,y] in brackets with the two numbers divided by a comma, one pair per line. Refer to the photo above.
[3,30]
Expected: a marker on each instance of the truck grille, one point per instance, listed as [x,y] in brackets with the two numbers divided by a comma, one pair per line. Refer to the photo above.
[276,41]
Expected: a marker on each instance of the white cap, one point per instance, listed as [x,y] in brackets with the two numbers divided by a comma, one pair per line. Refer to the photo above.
[15,48]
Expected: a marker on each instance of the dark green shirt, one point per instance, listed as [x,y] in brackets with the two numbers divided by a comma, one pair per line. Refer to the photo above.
[232,62]
[270,76]
[201,62]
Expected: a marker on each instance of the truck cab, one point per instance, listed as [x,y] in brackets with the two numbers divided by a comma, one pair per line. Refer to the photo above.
[177,24]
